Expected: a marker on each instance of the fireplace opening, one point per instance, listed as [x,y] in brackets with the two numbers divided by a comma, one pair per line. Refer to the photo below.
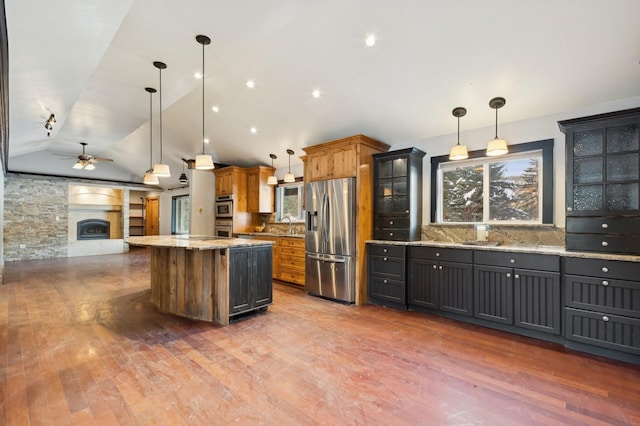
[93,229]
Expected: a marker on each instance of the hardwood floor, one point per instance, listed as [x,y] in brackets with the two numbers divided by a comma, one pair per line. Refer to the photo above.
[81,344]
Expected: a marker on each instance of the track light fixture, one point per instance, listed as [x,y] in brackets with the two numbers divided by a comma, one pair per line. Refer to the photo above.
[497,146]
[272,180]
[289,177]
[459,152]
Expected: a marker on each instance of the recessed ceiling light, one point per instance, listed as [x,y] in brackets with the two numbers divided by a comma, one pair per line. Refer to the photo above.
[370,40]
[253,130]
[316,93]
[206,140]
[197,75]
[215,108]
[251,84]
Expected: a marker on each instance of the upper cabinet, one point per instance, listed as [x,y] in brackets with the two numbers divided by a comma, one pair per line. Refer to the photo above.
[232,180]
[397,194]
[603,181]
[260,195]
[332,163]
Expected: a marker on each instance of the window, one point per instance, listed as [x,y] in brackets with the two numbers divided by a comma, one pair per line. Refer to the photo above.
[289,202]
[514,188]
[180,213]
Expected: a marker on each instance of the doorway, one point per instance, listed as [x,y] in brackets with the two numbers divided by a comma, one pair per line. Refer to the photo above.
[151,215]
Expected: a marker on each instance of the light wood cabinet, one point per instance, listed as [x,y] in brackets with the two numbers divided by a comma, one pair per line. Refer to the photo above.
[288,258]
[232,180]
[260,195]
[350,157]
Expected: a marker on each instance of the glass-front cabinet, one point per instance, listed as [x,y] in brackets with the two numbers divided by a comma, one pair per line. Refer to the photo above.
[398,195]
[603,182]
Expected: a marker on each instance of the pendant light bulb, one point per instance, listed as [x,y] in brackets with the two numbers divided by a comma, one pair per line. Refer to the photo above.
[203,161]
[161,169]
[459,152]
[272,180]
[289,177]
[497,146]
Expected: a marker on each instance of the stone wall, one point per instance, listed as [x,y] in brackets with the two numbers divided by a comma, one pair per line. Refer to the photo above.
[35,218]
[504,234]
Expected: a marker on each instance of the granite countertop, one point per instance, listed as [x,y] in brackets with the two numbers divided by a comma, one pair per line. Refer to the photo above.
[271,234]
[194,242]
[522,248]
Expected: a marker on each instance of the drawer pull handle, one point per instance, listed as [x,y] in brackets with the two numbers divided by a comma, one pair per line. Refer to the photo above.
[605,318]
[605,269]
[508,274]
[569,209]
[604,226]
[384,250]
[604,244]
[512,260]
[385,281]
[390,222]
[391,234]
[438,254]
[385,259]
[441,267]
[516,276]
[605,283]
[434,267]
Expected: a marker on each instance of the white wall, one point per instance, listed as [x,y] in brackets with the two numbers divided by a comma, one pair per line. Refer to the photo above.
[530,130]
[202,198]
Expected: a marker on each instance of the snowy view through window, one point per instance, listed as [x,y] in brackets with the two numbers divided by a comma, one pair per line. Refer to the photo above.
[489,190]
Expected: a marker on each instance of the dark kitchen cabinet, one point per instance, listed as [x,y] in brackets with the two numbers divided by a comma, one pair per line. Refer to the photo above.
[397,194]
[603,182]
[250,278]
[602,303]
[440,278]
[520,289]
[386,272]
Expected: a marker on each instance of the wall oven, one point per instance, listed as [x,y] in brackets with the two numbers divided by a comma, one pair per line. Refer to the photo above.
[224,206]
[223,228]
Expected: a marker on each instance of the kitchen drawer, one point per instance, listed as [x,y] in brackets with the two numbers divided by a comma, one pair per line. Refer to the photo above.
[617,269]
[603,225]
[603,329]
[624,244]
[441,254]
[292,242]
[390,267]
[384,289]
[392,234]
[538,262]
[292,276]
[292,251]
[393,223]
[607,295]
[291,262]
[386,250]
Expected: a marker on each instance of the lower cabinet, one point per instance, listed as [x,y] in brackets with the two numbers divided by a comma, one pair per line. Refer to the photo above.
[386,285]
[440,278]
[602,303]
[520,289]
[288,258]
[250,281]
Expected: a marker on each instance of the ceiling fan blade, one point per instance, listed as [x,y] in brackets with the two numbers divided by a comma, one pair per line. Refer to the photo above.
[101,159]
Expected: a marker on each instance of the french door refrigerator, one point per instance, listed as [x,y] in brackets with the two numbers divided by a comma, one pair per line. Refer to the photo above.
[330,243]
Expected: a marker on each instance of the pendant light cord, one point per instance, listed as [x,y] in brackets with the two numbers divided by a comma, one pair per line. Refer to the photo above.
[496,123]
[160,114]
[458,130]
[151,130]
[202,98]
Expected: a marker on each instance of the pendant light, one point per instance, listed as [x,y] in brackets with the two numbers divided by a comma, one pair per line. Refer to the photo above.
[497,146]
[203,161]
[272,180]
[289,177]
[149,177]
[459,152]
[183,177]
[161,169]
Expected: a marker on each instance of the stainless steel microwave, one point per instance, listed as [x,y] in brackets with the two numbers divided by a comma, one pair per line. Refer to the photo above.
[224,206]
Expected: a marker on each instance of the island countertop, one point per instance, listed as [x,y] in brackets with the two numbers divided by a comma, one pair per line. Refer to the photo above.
[194,242]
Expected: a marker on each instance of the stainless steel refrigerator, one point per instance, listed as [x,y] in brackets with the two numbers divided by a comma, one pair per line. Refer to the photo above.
[331,239]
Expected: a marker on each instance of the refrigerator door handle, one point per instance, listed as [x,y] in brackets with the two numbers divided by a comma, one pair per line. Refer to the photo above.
[326,259]
[325,219]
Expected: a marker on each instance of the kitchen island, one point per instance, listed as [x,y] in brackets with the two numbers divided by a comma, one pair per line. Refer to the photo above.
[208,278]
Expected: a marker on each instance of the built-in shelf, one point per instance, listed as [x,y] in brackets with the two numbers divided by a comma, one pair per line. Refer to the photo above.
[136,219]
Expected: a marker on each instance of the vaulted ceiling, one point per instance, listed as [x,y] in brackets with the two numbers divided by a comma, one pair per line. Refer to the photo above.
[88,63]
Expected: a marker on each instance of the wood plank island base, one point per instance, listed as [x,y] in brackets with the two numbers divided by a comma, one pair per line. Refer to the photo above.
[208,278]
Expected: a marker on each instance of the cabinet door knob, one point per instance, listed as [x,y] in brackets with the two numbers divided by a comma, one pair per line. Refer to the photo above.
[390,222]
[384,250]
[604,226]
[434,266]
[604,244]
[512,260]
[516,276]
[605,318]
[508,274]
[438,254]
[605,283]
[384,281]
[569,209]
[391,234]
[385,259]
[605,269]
[407,211]
[440,267]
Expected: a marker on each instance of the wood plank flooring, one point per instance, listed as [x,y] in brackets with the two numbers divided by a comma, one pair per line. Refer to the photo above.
[80,344]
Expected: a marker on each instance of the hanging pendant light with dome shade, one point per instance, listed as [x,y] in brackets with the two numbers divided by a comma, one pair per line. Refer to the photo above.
[161,169]
[149,177]
[459,152]
[497,146]
[273,179]
[183,177]
[289,177]
[203,161]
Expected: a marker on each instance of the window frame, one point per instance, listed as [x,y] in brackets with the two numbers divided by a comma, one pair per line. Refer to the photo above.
[545,146]
[279,192]
[173,213]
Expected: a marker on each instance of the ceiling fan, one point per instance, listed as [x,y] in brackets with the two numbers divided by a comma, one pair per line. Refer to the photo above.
[86,161]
